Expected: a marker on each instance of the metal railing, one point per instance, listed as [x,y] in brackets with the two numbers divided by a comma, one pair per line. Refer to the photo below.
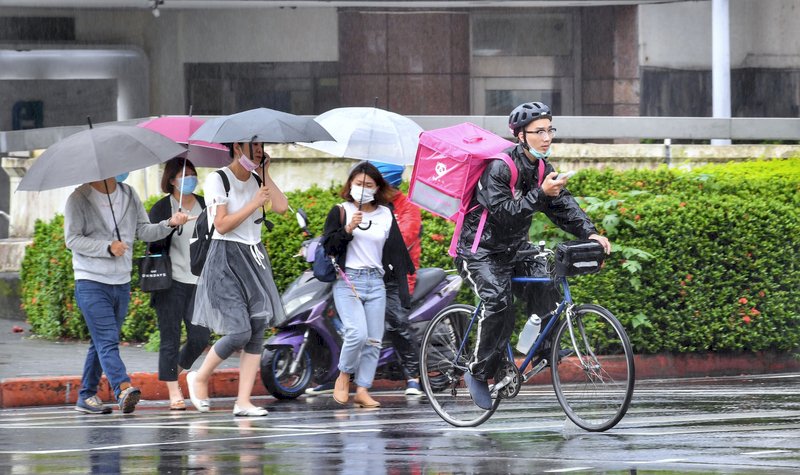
[569,128]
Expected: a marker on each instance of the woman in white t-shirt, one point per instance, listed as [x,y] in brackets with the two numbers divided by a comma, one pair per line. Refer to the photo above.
[236,294]
[369,249]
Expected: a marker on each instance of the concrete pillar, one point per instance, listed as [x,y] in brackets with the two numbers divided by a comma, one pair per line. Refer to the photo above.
[720,63]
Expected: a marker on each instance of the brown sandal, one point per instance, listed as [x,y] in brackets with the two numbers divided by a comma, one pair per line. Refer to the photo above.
[179,405]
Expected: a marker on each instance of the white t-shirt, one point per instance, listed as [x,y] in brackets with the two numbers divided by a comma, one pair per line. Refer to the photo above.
[179,247]
[248,232]
[366,248]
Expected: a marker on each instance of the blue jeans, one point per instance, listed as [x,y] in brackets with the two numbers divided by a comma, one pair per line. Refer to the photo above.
[363,320]
[104,308]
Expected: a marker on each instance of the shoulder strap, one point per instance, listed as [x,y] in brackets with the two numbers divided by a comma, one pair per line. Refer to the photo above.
[258,178]
[225,183]
[341,215]
[541,171]
[485,214]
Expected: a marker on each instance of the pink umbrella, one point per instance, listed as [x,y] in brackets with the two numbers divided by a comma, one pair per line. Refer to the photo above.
[179,128]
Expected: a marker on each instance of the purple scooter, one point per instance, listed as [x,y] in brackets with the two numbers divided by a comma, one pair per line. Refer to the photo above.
[306,348]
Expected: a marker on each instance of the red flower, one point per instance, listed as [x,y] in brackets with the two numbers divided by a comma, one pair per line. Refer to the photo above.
[746,319]
[683,203]
[743,301]
[637,218]
[761,294]
[437,237]
[689,277]
[683,284]
[754,312]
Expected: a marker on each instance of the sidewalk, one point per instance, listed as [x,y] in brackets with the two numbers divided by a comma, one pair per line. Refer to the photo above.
[36,372]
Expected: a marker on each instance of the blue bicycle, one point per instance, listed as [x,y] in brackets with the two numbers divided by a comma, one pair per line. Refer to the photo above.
[585,346]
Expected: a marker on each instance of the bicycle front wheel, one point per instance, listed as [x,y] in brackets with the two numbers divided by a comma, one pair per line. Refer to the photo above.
[445,352]
[593,373]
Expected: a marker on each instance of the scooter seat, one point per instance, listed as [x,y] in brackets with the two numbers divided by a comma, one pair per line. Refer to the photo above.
[427,280]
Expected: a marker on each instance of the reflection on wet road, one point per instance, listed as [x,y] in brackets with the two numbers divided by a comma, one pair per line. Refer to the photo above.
[722,425]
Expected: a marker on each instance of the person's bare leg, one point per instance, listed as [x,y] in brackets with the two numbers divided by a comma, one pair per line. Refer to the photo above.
[175,393]
[248,370]
[210,363]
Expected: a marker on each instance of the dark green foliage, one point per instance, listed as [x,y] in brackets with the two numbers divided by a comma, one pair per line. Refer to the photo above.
[722,277]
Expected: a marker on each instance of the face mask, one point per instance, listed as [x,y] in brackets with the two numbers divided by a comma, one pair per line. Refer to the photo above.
[361,194]
[539,154]
[247,164]
[121,177]
[188,184]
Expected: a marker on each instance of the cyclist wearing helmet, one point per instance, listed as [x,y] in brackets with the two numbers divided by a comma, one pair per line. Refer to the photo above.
[490,268]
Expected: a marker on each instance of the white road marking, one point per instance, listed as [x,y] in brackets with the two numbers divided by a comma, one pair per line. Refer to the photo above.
[566,470]
[649,462]
[180,442]
[766,452]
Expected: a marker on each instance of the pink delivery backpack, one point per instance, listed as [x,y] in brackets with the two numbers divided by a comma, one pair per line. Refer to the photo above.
[447,167]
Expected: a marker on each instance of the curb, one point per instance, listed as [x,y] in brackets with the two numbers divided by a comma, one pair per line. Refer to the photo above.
[63,390]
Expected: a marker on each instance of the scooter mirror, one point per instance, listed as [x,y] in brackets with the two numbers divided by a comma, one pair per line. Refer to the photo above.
[302,218]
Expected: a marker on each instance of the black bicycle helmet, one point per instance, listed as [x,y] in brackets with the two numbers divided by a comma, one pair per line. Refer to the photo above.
[526,113]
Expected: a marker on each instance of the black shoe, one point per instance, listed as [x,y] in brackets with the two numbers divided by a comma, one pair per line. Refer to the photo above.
[479,391]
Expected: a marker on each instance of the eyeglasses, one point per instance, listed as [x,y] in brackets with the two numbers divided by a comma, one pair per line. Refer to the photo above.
[543,133]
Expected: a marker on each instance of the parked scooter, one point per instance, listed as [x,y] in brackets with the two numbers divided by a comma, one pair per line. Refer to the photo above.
[306,348]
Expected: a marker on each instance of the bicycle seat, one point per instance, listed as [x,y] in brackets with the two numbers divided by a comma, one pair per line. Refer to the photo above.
[427,280]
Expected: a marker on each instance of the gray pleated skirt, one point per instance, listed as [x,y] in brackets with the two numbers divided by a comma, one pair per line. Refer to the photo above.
[235,286]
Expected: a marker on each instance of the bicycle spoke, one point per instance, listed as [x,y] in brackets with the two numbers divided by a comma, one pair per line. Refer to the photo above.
[594,385]
[444,356]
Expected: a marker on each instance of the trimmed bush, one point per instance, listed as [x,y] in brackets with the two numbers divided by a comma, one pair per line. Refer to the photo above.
[722,277]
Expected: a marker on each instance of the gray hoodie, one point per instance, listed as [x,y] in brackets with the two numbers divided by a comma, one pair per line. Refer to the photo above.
[88,236]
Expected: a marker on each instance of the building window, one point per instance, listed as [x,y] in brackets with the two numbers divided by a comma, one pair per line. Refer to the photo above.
[503,102]
[304,88]
[527,34]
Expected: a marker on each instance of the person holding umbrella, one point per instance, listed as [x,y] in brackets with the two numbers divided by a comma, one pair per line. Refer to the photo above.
[369,250]
[175,304]
[236,294]
[101,219]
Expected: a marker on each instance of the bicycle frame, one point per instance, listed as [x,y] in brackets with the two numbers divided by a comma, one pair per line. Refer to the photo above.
[565,302]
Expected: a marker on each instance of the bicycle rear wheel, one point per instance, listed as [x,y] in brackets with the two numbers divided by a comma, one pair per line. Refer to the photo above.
[441,361]
[593,376]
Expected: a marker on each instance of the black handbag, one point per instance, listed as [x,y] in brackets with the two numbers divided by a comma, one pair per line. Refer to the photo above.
[155,272]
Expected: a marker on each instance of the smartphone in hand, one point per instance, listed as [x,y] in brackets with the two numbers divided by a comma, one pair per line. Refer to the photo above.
[565,174]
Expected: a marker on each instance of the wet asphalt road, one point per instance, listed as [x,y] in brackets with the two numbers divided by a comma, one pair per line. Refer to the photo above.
[725,425]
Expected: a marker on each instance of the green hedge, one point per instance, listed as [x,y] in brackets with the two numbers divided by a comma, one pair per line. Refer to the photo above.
[704,260]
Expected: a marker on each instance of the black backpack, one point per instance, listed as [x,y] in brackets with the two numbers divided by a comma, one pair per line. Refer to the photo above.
[201,238]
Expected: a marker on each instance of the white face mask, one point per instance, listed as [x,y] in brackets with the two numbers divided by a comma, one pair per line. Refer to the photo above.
[361,194]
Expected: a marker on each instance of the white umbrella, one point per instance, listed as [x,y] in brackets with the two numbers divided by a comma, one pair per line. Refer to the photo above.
[369,133]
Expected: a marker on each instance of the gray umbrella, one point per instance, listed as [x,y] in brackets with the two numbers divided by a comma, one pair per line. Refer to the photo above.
[97,154]
[261,125]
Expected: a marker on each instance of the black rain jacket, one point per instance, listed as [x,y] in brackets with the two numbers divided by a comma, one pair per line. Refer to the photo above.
[509,219]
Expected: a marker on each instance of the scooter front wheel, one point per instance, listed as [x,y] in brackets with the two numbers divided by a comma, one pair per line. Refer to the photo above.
[277,374]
